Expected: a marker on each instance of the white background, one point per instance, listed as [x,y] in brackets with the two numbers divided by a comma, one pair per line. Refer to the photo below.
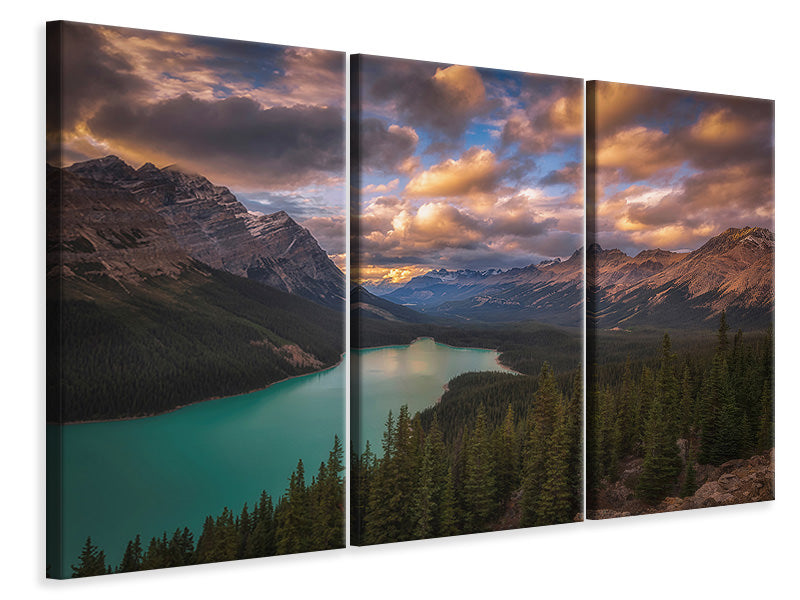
[727,47]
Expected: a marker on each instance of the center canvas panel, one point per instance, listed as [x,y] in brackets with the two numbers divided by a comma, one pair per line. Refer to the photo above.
[196,300]
[466,299]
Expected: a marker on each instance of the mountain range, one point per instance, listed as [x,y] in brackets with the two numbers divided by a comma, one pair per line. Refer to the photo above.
[213,227]
[550,291]
[734,271]
[151,305]
[656,288]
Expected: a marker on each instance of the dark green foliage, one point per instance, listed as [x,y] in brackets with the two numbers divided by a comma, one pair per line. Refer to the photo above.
[170,342]
[479,483]
[132,559]
[461,466]
[92,561]
[716,394]
[310,517]
[556,500]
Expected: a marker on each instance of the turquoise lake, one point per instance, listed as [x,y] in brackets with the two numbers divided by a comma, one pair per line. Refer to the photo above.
[414,375]
[159,473]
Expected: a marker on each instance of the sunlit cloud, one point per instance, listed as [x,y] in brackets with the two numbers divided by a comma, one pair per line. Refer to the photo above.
[675,168]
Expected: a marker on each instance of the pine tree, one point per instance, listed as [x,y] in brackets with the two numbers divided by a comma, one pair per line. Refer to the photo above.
[766,429]
[555,501]
[262,541]
[381,522]
[661,461]
[728,439]
[204,552]
[91,561]
[479,483]
[539,429]
[293,530]
[668,388]
[506,458]
[132,559]
[245,530]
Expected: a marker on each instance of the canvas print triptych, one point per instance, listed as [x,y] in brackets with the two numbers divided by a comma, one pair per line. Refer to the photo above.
[197,299]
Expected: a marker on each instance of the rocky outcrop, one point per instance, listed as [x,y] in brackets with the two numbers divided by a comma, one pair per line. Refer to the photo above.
[213,227]
[734,482]
[100,232]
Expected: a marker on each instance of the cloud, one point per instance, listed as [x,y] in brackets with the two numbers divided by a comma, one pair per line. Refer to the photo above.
[443,99]
[223,108]
[382,188]
[386,149]
[232,138]
[548,121]
[676,168]
[328,231]
[638,152]
[92,73]
[477,170]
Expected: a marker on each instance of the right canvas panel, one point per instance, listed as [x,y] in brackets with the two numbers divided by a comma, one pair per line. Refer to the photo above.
[680,300]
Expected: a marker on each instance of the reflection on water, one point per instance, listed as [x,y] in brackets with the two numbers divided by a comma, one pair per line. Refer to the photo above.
[414,375]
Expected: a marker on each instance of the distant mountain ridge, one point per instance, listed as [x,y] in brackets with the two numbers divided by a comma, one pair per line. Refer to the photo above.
[550,292]
[213,227]
[734,271]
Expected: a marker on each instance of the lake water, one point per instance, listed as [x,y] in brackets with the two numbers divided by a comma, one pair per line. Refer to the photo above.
[155,474]
[414,375]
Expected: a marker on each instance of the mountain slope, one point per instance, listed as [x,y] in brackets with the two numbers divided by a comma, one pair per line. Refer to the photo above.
[733,271]
[549,292]
[212,226]
[363,304]
[136,326]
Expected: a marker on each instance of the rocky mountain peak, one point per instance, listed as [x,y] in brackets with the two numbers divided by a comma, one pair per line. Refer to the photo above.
[745,239]
[108,169]
[148,169]
[213,227]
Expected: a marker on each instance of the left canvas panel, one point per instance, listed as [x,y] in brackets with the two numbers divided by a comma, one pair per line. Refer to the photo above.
[195,299]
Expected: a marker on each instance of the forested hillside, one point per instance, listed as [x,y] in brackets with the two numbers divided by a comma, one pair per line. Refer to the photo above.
[170,342]
[498,451]
[677,412]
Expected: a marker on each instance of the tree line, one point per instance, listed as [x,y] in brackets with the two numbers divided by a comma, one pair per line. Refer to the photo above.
[720,402]
[308,517]
[168,343]
[498,451]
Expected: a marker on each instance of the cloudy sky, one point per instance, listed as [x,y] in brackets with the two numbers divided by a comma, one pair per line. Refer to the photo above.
[463,167]
[265,121]
[675,168]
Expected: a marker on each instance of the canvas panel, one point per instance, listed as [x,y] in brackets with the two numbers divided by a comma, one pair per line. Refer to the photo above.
[195,206]
[681,300]
[466,299]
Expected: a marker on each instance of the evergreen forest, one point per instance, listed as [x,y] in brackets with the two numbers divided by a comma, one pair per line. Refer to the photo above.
[708,404]
[171,342]
[498,451]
